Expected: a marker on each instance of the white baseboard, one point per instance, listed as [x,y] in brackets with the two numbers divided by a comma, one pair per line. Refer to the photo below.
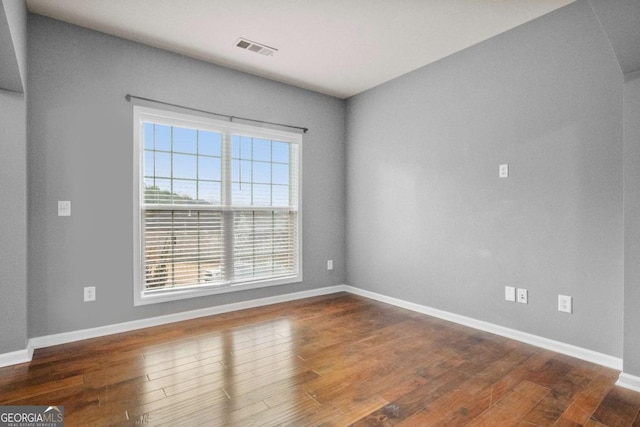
[629,381]
[557,346]
[67,337]
[15,357]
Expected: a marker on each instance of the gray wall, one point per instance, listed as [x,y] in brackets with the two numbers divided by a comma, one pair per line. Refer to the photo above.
[620,20]
[428,219]
[13,185]
[13,226]
[632,224]
[16,14]
[13,45]
[80,149]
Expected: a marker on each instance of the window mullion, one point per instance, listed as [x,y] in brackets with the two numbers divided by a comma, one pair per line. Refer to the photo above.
[227,215]
[199,223]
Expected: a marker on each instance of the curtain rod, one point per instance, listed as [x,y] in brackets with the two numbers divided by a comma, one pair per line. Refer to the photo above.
[128,97]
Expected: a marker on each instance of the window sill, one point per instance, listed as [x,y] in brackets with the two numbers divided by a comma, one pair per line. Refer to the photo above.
[142,298]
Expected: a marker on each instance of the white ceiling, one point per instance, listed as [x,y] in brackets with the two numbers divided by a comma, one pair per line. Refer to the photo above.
[336,47]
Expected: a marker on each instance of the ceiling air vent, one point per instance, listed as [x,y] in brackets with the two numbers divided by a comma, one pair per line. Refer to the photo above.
[255,47]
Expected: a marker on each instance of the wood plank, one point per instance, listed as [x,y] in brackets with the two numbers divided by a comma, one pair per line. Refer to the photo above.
[36,390]
[616,410]
[562,394]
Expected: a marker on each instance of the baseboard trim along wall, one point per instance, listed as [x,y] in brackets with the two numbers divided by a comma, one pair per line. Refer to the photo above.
[23,356]
[557,346]
[66,337]
[629,381]
[15,357]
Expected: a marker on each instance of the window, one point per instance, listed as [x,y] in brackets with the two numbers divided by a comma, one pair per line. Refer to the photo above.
[216,206]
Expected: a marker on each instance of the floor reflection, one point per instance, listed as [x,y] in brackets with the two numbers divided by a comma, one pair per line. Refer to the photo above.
[232,376]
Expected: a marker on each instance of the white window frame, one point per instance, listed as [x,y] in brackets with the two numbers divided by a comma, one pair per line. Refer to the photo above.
[145,114]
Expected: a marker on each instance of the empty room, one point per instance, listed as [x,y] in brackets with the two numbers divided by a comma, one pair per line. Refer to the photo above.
[320,213]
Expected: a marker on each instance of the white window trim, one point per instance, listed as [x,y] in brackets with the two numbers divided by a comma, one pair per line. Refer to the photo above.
[141,114]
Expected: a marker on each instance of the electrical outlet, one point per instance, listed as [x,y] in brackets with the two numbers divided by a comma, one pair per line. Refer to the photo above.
[503,171]
[522,296]
[510,293]
[64,208]
[330,264]
[89,293]
[565,304]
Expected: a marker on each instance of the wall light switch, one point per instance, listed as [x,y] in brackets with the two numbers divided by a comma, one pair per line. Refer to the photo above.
[330,264]
[503,171]
[510,293]
[64,208]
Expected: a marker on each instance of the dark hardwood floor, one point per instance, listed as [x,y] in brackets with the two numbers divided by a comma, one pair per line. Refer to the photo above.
[335,360]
